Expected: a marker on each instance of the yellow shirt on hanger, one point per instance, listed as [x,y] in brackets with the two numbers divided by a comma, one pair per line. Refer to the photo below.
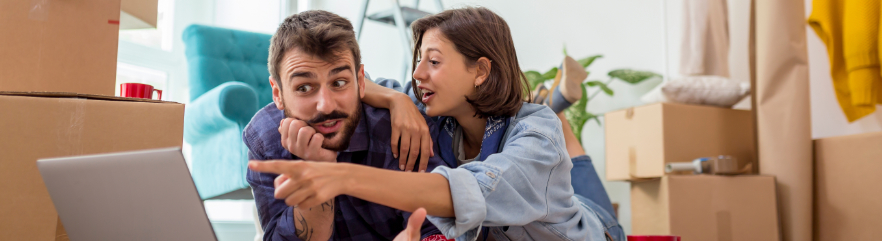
[850,29]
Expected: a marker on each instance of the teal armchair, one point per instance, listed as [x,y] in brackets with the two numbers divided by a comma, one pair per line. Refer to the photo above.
[228,81]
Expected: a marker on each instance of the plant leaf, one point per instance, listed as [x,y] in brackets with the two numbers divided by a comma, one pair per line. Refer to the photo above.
[607,90]
[534,78]
[632,76]
[602,86]
[588,60]
[593,83]
[550,74]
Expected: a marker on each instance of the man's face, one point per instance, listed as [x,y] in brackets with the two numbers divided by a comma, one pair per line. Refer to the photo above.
[326,95]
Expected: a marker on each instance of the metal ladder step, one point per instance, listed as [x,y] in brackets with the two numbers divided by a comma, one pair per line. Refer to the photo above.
[387,16]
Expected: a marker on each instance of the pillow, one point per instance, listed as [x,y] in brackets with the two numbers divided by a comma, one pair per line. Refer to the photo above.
[699,90]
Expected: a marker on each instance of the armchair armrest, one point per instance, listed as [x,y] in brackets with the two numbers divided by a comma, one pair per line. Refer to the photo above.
[228,104]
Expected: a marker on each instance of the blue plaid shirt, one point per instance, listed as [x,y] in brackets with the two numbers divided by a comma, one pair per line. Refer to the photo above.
[355,219]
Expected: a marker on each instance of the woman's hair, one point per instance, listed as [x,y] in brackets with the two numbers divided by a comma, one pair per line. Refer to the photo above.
[478,32]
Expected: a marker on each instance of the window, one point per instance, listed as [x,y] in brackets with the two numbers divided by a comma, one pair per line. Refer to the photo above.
[159,37]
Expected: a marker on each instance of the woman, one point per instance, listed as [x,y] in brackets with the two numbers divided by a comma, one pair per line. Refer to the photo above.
[512,179]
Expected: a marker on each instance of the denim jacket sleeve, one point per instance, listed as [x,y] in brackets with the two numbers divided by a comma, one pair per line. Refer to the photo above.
[407,88]
[486,193]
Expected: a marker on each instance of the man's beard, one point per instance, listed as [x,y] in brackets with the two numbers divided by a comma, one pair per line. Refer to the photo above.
[350,122]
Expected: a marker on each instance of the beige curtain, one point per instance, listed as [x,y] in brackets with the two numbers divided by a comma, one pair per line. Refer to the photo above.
[705,46]
[781,105]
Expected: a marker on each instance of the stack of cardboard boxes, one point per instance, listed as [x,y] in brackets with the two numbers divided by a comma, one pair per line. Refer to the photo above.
[641,140]
[57,81]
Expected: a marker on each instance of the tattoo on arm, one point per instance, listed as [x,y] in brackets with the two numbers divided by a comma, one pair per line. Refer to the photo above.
[304,231]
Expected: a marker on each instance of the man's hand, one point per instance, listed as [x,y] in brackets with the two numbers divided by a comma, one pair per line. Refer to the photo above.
[410,135]
[301,140]
[304,184]
[414,224]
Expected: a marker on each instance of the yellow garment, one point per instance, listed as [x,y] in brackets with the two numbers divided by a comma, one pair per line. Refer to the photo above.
[850,29]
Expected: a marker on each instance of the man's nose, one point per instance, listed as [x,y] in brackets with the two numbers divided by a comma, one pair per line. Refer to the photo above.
[326,103]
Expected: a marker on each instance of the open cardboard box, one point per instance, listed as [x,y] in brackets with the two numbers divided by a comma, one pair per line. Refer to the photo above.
[36,125]
[641,140]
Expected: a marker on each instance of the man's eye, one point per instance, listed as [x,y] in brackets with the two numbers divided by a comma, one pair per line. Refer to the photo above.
[304,88]
[339,83]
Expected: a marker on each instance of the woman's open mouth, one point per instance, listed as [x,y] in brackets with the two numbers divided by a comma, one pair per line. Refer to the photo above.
[427,95]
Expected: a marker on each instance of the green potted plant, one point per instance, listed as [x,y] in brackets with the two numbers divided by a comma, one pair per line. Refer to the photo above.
[578,114]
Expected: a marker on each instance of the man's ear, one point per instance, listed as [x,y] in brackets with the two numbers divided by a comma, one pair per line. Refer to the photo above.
[277,94]
[360,81]
[483,70]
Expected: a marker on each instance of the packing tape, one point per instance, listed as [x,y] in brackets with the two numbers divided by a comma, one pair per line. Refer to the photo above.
[70,134]
[724,226]
[39,10]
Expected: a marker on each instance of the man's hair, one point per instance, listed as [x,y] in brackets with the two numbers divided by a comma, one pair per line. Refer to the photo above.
[478,32]
[319,33]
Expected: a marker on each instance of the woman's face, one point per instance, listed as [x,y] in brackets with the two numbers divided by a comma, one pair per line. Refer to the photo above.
[444,77]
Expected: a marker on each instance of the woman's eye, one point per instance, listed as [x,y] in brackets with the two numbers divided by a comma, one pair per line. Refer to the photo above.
[339,83]
[433,62]
[304,88]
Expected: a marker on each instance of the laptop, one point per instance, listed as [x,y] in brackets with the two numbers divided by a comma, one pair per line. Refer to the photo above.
[140,195]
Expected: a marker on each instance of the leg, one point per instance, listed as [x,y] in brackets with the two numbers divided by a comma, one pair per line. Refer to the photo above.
[585,180]
[574,148]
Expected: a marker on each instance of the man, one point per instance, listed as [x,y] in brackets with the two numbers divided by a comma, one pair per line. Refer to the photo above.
[317,115]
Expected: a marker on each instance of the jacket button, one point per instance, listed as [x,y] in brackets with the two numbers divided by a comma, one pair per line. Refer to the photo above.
[491,175]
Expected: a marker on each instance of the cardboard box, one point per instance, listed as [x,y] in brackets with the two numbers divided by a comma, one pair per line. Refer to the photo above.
[59,46]
[706,207]
[43,125]
[137,14]
[640,140]
[848,200]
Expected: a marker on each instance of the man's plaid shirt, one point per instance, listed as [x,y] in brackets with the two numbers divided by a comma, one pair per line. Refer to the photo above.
[355,219]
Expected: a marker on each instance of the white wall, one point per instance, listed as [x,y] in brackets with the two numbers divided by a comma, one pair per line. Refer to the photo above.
[827,118]
[262,16]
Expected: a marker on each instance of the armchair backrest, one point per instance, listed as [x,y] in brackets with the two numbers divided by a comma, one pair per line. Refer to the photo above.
[218,55]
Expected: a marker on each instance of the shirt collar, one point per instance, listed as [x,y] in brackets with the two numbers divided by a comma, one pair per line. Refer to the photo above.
[493,133]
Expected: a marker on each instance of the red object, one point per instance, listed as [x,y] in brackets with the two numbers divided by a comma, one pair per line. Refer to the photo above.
[135,90]
[437,237]
[653,238]
[110,21]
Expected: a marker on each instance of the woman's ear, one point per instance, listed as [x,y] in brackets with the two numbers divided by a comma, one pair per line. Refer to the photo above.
[483,73]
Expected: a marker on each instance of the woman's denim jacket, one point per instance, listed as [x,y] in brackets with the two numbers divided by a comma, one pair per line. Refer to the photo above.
[520,187]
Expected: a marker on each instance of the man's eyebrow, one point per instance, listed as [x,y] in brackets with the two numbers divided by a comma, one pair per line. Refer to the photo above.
[340,69]
[303,74]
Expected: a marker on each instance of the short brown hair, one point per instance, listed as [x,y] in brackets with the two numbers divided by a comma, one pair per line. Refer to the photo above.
[316,32]
[478,32]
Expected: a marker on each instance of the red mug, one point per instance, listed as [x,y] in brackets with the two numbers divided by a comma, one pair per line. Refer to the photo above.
[653,238]
[135,90]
